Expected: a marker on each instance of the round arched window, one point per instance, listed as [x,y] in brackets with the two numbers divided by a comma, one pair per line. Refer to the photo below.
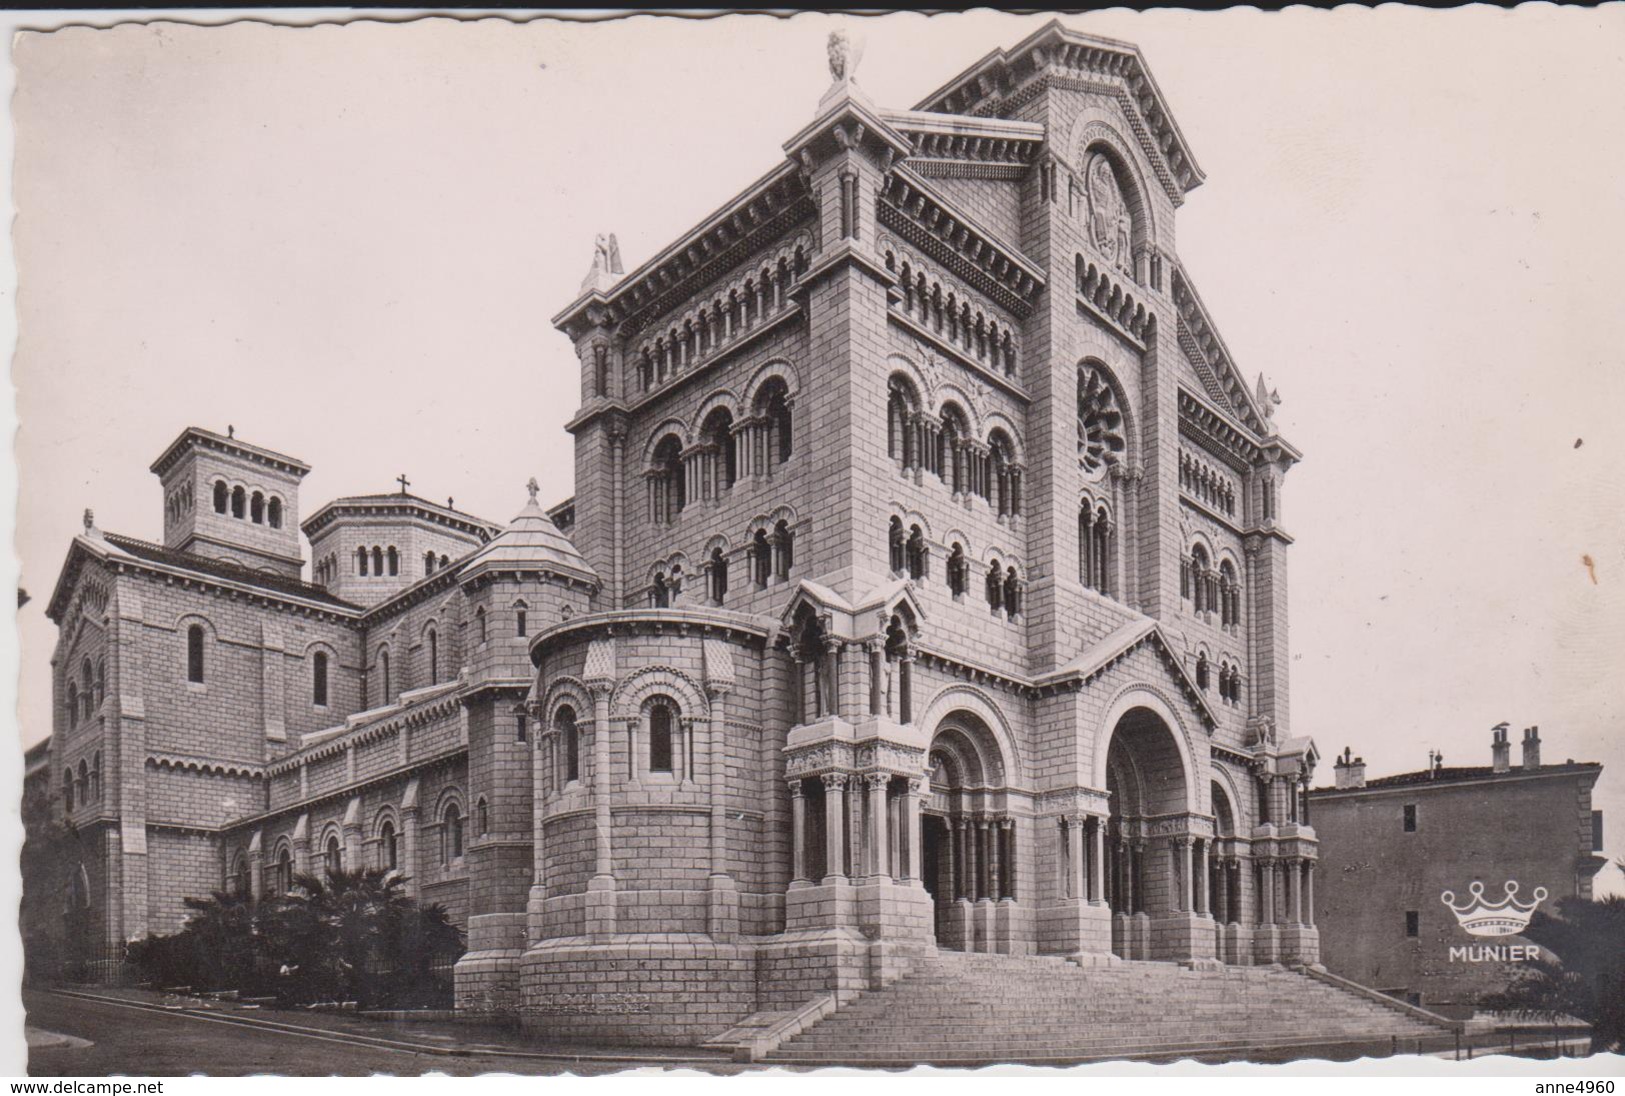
[1100,422]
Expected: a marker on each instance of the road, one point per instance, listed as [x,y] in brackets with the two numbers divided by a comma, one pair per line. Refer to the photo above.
[155,1044]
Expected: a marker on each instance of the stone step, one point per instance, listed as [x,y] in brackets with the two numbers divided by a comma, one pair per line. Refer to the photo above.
[956,1007]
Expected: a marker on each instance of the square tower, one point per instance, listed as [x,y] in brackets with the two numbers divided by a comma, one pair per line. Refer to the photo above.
[228,500]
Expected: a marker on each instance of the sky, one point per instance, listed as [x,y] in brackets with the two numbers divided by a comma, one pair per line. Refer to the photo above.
[347,241]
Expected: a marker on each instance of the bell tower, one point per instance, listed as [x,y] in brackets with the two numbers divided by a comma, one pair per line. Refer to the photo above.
[228,500]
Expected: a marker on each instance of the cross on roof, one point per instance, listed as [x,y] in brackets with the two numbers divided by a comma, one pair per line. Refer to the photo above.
[534,488]
[403,481]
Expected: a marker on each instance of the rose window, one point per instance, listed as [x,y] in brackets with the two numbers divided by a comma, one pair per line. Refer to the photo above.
[1100,423]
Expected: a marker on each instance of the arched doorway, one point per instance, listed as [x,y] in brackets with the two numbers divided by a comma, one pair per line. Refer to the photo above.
[968,839]
[1148,873]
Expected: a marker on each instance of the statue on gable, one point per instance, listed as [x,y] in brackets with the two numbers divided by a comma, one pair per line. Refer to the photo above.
[1268,400]
[1111,228]
[606,263]
[844,54]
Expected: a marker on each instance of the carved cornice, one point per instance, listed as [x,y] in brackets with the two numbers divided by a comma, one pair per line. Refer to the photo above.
[1055,57]
[765,211]
[928,221]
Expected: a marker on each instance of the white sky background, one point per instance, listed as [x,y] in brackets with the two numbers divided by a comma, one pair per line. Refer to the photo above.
[347,242]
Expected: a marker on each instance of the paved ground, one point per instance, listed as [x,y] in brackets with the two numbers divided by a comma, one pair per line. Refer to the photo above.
[143,1042]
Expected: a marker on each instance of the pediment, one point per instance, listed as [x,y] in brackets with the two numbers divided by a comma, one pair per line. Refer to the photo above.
[1126,654]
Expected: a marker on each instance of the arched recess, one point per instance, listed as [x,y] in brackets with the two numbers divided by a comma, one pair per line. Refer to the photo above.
[778,368]
[642,684]
[973,701]
[1142,699]
[1094,137]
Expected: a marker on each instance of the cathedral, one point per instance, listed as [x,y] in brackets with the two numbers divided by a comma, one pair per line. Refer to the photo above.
[924,590]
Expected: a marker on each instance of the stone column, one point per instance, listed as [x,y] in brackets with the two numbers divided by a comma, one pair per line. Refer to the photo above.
[834,827]
[1072,827]
[1187,890]
[1205,907]
[913,869]
[1097,861]
[973,862]
[1007,828]
[990,838]
[1294,870]
[600,779]
[798,833]
[1309,893]
[875,862]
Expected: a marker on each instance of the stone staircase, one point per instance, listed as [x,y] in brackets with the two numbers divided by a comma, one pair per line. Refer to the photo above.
[954,1008]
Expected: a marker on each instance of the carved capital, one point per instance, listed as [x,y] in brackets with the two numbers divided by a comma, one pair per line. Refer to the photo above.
[833,781]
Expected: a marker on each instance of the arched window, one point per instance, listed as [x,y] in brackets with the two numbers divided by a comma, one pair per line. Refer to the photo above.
[953,451]
[239,502]
[377,561]
[668,492]
[361,562]
[719,576]
[718,434]
[388,853]
[428,563]
[451,834]
[67,788]
[1094,547]
[1012,593]
[902,422]
[761,554]
[919,556]
[87,688]
[995,586]
[394,561]
[383,676]
[433,645]
[521,726]
[1201,672]
[194,654]
[1229,595]
[1003,483]
[318,679]
[333,859]
[773,404]
[273,513]
[1200,571]
[958,571]
[482,815]
[284,871]
[81,785]
[96,777]
[521,629]
[444,563]
[1101,431]
[73,705]
[897,542]
[564,721]
[240,884]
[662,736]
[660,592]
[256,509]
[784,543]
[479,623]
[221,496]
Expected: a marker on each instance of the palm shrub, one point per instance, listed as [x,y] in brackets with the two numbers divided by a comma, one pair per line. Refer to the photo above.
[1586,979]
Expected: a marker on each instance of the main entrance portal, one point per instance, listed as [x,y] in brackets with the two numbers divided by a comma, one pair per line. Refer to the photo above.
[969,839]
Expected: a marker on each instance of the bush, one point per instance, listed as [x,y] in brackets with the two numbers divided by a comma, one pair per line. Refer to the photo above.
[343,936]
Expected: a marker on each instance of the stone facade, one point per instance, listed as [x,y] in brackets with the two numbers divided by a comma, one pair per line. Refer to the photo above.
[1394,846]
[925,588]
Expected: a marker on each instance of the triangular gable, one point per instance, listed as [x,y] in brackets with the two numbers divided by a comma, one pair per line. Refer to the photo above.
[869,616]
[1103,656]
[1210,358]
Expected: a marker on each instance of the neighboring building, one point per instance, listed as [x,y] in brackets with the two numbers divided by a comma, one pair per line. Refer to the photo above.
[925,585]
[1392,847]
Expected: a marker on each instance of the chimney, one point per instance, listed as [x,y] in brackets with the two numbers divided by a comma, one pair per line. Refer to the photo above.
[1349,770]
[1500,749]
[1531,748]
